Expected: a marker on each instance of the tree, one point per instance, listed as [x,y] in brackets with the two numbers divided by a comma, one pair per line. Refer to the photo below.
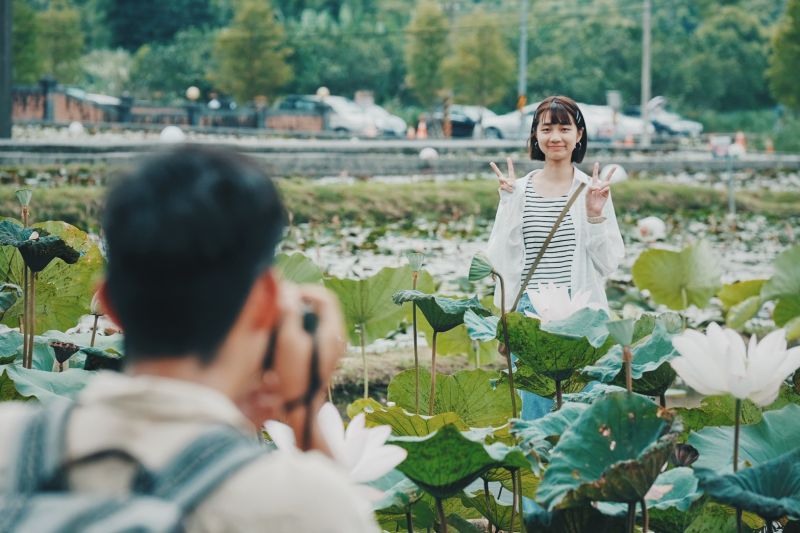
[481,69]
[133,23]
[26,56]
[173,67]
[249,54]
[426,47]
[61,41]
[783,72]
[727,60]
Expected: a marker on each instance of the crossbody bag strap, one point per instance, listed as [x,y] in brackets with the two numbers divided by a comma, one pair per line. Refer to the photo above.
[546,243]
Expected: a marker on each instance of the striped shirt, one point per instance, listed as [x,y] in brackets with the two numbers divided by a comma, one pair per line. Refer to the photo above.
[538,217]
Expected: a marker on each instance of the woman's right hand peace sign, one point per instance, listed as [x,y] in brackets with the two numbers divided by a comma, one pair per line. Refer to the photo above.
[506,183]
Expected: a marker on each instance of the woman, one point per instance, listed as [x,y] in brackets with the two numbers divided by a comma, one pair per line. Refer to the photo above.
[587,246]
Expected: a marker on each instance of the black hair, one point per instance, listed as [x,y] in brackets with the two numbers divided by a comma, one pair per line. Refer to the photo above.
[560,110]
[187,234]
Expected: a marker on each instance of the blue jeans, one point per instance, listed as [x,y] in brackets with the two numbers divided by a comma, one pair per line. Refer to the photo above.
[533,405]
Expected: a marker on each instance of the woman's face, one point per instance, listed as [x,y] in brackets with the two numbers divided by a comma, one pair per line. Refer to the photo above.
[557,141]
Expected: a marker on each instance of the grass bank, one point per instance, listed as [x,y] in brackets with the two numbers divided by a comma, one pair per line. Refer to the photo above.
[377,203]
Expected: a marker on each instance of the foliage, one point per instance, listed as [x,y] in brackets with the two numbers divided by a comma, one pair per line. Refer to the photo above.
[784,286]
[250,57]
[61,41]
[542,433]
[776,433]
[679,279]
[782,72]
[717,411]
[108,71]
[26,56]
[467,393]
[612,452]
[63,291]
[43,385]
[36,246]
[171,67]
[481,68]
[425,50]
[402,422]
[298,268]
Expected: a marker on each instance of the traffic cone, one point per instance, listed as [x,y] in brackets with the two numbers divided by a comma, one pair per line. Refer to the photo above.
[422,129]
[629,142]
[768,146]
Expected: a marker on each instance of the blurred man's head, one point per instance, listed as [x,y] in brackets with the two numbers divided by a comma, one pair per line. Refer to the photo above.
[189,233]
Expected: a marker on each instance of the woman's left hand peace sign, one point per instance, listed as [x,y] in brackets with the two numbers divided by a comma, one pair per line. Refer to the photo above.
[598,192]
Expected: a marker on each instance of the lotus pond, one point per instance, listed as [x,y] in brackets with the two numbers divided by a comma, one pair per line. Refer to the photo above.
[612,456]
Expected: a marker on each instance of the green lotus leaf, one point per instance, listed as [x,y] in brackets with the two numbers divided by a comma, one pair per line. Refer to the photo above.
[36,245]
[785,280]
[399,491]
[467,393]
[590,396]
[367,303]
[298,268]
[612,452]
[24,197]
[100,359]
[393,518]
[743,311]
[589,323]
[793,329]
[525,378]
[44,385]
[480,267]
[443,314]
[786,395]
[787,308]
[621,330]
[9,294]
[770,490]
[498,514]
[715,518]
[717,411]
[678,490]
[679,279]
[63,291]
[481,328]
[10,343]
[732,294]
[541,434]
[777,433]
[650,368]
[578,519]
[556,356]
[530,481]
[446,462]
[402,422]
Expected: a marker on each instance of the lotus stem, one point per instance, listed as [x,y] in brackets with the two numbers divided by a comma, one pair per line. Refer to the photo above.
[662,398]
[627,359]
[364,361]
[685,302]
[442,517]
[330,392]
[559,400]
[416,355]
[506,342]
[94,330]
[519,501]
[409,521]
[645,516]
[737,417]
[432,399]
[632,517]
[23,323]
[513,499]
[488,499]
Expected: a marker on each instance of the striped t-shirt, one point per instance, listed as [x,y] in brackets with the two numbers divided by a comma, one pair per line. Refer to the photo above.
[538,217]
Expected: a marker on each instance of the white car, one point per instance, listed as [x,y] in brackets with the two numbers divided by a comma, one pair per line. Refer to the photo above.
[514,125]
[343,115]
[386,123]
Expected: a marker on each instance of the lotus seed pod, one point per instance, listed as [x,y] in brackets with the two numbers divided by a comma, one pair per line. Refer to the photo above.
[24,197]
[479,268]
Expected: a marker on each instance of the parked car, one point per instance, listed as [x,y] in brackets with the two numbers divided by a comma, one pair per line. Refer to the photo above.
[342,115]
[510,125]
[465,120]
[667,122]
[387,124]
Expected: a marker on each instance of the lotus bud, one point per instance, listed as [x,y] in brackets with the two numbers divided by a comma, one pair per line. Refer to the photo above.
[480,267]
[24,197]
[415,259]
[95,308]
[684,455]
[621,331]
[34,236]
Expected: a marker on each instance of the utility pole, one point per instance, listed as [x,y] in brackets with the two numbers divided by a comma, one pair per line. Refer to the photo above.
[645,74]
[522,80]
[5,69]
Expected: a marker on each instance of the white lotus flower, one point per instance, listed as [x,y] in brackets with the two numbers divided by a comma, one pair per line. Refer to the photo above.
[651,229]
[360,450]
[720,363]
[554,303]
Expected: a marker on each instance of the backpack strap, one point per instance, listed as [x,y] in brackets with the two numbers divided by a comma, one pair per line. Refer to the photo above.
[203,465]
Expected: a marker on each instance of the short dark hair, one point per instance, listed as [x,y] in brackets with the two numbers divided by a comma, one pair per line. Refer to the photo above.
[561,110]
[187,234]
